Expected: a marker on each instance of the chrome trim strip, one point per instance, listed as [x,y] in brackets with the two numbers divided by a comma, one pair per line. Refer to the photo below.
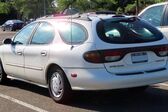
[15,65]
[33,68]
[27,67]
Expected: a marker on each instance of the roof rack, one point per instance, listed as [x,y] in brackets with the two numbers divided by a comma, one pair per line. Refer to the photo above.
[83,16]
[60,16]
[105,12]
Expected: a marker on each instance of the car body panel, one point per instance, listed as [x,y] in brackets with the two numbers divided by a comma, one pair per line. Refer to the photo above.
[14,60]
[100,79]
[35,59]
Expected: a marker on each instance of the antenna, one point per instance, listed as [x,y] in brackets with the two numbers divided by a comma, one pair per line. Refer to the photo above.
[71,24]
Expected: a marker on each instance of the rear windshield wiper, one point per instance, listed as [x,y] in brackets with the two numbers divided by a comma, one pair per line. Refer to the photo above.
[128,19]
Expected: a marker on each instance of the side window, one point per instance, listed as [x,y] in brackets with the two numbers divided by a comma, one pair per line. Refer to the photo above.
[153,15]
[72,32]
[44,34]
[23,36]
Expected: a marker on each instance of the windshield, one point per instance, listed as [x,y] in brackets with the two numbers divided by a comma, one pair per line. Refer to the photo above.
[127,30]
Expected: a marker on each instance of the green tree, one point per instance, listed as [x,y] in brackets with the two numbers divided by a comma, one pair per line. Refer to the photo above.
[4,8]
[36,8]
[32,8]
[89,5]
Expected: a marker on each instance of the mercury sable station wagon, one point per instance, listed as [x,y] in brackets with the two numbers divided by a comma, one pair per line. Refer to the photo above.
[86,52]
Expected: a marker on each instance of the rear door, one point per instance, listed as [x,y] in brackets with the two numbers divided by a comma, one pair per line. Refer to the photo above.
[37,52]
[131,46]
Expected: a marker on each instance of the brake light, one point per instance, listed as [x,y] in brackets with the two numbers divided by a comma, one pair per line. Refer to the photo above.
[102,56]
[93,57]
[161,51]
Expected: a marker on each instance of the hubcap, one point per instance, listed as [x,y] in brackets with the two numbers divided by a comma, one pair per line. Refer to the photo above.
[56,84]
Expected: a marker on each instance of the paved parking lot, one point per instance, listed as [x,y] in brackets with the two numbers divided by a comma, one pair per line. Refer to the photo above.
[17,96]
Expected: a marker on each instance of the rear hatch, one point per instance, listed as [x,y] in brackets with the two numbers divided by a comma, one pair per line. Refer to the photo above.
[131,46]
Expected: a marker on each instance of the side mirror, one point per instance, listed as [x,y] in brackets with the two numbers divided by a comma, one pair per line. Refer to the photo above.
[7,41]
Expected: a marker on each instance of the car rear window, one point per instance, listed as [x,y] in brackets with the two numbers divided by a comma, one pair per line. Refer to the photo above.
[123,30]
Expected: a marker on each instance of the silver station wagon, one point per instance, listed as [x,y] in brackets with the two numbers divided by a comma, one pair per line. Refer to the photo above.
[86,52]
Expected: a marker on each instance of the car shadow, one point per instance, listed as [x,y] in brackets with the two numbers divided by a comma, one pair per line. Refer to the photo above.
[151,100]
[27,87]
[154,99]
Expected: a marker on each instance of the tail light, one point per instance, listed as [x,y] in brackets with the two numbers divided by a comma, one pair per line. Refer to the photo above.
[113,55]
[93,57]
[102,56]
[161,51]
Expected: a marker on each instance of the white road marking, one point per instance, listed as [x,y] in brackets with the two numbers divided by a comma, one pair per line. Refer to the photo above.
[22,103]
[163,84]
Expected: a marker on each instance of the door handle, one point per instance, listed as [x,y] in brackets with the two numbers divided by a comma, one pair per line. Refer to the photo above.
[43,53]
[19,52]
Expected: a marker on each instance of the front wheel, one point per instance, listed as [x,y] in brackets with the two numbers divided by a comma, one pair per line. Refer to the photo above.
[59,86]
[3,76]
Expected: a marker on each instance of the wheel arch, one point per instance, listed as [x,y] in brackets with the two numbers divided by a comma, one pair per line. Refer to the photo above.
[49,67]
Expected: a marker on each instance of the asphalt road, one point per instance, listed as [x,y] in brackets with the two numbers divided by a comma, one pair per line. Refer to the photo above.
[17,96]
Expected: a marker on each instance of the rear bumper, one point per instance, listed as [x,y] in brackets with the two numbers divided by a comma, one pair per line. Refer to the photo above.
[100,79]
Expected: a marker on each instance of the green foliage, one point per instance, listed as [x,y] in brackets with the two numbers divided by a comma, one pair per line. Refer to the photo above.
[31,8]
[26,8]
[113,5]
[35,8]
[89,5]
[130,7]
[4,8]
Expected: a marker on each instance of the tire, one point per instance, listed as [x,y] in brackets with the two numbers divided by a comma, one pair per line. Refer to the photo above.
[140,89]
[11,29]
[3,29]
[3,76]
[59,87]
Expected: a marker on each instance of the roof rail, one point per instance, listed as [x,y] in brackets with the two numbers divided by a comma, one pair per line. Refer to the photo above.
[61,16]
[83,16]
[105,12]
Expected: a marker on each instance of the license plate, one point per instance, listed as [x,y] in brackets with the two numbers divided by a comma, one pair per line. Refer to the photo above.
[139,57]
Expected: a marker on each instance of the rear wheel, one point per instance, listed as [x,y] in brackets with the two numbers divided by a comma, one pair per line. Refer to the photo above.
[59,86]
[3,29]
[3,76]
[11,29]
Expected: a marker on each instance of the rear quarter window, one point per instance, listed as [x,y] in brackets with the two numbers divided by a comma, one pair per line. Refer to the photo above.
[127,30]
[72,33]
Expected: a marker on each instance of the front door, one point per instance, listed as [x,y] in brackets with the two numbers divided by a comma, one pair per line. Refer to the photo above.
[14,53]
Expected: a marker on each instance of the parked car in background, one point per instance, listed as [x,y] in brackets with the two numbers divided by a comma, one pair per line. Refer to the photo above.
[29,21]
[12,25]
[88,52]
[157,15]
